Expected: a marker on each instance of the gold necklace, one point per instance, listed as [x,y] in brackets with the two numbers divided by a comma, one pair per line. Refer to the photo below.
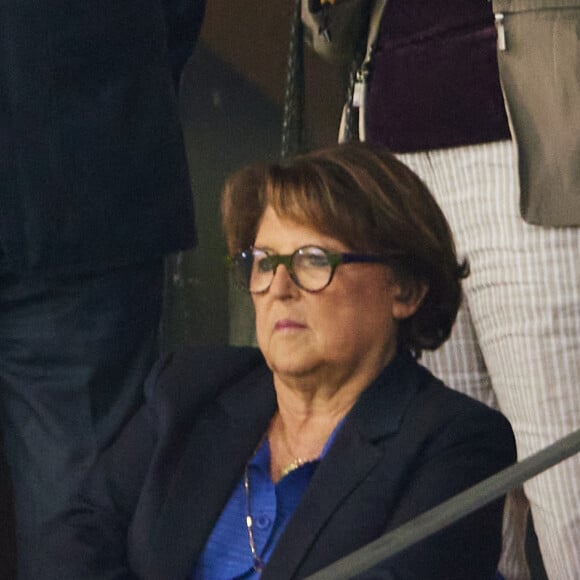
[295,464]
[258,563]
[296,461]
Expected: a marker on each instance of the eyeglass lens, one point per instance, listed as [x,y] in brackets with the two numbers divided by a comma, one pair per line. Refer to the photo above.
[309,267]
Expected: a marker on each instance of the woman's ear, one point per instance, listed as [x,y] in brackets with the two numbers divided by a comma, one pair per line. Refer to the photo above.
[409,295]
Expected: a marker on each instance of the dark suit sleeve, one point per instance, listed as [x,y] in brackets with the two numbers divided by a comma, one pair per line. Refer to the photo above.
[183,20]
[89,540]
[466,450]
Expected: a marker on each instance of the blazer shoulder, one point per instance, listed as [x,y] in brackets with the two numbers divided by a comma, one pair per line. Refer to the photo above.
[453,411]
[187,378]
[432,387]
[408,399]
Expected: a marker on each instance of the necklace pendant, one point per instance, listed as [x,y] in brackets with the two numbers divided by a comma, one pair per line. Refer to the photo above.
[295,464]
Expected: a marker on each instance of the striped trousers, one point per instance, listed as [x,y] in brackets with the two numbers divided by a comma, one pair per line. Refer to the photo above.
[516,343]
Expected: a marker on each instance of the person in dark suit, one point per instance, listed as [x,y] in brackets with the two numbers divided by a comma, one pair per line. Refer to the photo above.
[94,192]
[275,462]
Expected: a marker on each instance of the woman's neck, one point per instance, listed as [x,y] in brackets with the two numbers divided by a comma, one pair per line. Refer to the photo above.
[310,406]
[300,429]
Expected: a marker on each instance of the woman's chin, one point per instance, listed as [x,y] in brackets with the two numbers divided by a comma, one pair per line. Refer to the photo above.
[290,363]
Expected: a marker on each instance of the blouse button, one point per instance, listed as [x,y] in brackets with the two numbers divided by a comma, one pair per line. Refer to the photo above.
[262,521]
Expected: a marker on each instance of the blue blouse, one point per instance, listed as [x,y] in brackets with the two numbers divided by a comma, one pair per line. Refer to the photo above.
[227,552]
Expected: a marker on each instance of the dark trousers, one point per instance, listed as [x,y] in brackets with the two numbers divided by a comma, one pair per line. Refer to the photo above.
[74,353]
[7,522]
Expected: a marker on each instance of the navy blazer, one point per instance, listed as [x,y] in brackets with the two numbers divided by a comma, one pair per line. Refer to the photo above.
[409,443]
[93,171]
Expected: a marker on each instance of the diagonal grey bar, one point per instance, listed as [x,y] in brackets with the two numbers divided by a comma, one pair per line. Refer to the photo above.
[449,511]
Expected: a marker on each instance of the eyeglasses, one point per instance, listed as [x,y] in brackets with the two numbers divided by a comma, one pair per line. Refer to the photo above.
[310,267]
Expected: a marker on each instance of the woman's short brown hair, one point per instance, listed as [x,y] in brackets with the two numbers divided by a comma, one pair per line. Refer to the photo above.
[363,196]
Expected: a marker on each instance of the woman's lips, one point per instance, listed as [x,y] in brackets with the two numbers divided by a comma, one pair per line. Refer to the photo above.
[288,325]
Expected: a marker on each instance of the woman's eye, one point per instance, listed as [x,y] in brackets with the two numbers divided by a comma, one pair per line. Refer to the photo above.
[264,264]
[315,260]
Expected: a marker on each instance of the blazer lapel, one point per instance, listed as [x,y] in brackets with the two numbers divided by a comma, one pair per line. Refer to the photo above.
[218,448]
[334,479]
[377,414]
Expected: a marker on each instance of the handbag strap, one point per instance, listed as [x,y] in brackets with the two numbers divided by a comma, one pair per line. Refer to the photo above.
[356,99]
[293,110]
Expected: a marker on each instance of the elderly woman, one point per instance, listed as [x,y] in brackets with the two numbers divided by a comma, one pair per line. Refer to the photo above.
[275,463]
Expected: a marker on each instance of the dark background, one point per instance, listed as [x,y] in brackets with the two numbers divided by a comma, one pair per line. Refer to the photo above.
[231,106]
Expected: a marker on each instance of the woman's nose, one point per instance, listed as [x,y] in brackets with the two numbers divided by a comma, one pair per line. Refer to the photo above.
[282,283]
